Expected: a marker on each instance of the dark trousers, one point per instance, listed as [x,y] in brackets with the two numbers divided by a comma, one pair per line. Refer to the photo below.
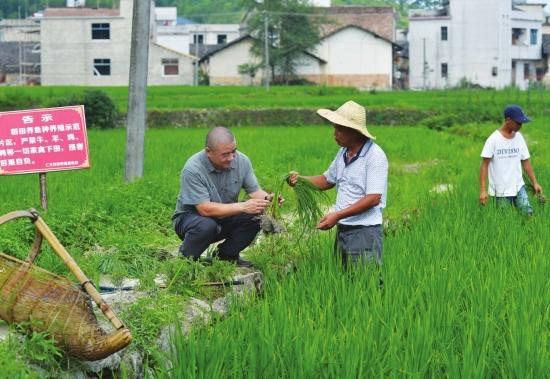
[198,232]
[358,245]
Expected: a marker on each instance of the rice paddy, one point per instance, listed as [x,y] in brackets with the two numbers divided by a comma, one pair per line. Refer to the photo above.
[466,288]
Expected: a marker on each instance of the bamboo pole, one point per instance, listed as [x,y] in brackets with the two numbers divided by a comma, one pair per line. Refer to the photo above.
[80,276]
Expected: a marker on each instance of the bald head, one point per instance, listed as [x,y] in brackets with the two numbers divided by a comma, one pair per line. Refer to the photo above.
[219,135]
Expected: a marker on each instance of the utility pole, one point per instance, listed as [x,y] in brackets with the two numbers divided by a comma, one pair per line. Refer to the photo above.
[266,48]
[137,91]
[20,49]
[424,65]
[196,76]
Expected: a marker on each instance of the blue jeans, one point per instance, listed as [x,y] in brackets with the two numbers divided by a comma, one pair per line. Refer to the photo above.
[520,201]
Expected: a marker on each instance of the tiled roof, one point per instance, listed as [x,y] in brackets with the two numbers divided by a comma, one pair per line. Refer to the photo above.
[379,20]
[80,12]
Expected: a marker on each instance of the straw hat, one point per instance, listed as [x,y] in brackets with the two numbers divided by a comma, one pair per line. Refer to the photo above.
[351,115]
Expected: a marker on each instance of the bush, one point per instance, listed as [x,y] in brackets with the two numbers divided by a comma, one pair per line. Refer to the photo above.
[440,122]
[100,110]
[17,101]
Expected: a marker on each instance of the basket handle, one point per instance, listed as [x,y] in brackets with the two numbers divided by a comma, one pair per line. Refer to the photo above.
[33,215]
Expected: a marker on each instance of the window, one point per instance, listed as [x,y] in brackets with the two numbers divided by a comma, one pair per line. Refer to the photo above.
[198,39]
[102,67]
[518,36]
[444,70]
[101,31]
[494,71]
[222,39]
[444,33]
[170,66]
[527,71]
[534,36]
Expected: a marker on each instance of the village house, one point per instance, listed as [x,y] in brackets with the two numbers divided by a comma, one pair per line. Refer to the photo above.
[19,52]
[91,46]
[188,37]
[492,43]
[356,49]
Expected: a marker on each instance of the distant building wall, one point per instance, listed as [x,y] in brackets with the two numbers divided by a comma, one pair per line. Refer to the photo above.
[68,50]
[358,58]
[474,41]
[223,67]
[158,75]
[70,56]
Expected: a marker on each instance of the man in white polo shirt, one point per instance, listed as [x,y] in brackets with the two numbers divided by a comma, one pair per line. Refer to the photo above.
[504,155]
[360,174]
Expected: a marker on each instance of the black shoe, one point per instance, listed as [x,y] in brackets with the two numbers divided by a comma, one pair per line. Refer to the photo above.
[237,261]
[244,263]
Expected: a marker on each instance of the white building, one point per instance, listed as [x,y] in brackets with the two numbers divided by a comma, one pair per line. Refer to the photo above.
[490,43]
[349,56]
[185,38]
[320,3]
[91,46]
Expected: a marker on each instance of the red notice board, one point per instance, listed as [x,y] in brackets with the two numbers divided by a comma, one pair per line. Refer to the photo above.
[42,140]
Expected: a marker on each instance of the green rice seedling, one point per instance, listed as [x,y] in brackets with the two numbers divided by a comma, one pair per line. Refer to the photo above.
[540,197]
[309,199]
[274,210]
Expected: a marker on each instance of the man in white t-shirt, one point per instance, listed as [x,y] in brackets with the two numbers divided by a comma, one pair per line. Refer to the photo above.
[504,155]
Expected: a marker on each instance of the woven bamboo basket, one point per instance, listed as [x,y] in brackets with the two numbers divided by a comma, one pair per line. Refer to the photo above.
[53,303]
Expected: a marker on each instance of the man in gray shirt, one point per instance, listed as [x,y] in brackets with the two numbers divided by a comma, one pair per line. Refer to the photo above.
[208,209]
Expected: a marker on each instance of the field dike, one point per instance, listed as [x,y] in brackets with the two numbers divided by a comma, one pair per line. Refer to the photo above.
[281,116]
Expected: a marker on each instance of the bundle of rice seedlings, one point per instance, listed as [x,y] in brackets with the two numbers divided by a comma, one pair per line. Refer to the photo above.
[309,199]
[308,202]
[540,197]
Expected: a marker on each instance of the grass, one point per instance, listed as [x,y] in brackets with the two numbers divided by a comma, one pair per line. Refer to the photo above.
[466,295]
[176,98]
[466,288]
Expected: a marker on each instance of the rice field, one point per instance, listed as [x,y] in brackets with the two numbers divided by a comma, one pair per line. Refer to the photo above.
[176,98]
[466,289]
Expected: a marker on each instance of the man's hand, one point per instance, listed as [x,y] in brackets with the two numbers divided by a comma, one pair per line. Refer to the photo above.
[537,188]
[280,201]
[483,197]
[328,221]
[255,206]
[292,178]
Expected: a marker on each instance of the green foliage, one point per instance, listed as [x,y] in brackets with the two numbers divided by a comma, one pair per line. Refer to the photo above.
[250,70]
[23,348]
[186,277]
[100,110]
[12,365]
[39,348]
[16,102]
[309,200]
[441,122]
[147,316]
[477,308]
[291,31]
[448,267]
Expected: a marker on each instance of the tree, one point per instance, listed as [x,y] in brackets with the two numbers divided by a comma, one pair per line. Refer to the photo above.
[293,28]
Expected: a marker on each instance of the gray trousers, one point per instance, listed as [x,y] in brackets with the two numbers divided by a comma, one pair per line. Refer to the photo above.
[198,232]
[358,245]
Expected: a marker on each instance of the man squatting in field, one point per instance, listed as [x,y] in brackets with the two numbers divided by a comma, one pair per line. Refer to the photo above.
[504,154]
[207,208]
[360,174]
